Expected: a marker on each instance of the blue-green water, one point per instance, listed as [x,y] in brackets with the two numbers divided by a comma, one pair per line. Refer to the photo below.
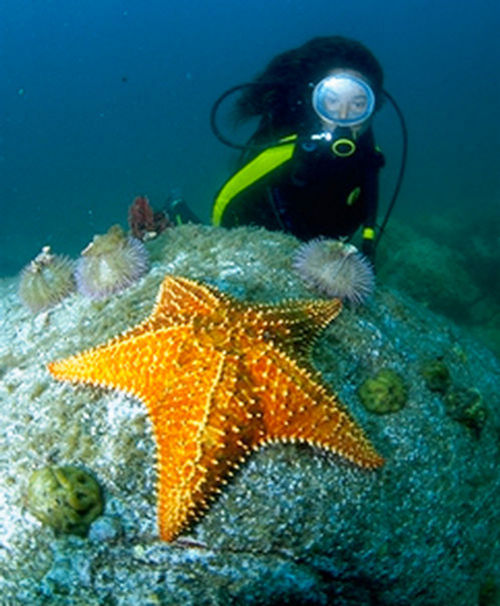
[102,101]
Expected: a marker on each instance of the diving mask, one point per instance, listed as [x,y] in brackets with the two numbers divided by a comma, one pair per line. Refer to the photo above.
[343,100]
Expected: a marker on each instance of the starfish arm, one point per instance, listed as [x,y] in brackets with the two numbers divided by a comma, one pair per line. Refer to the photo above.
[127,361]
[180,299]
[298,407]
[233,429]
[294,326]
[186,444]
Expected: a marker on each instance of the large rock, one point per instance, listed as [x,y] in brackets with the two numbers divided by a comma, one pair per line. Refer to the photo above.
[293,523]
[449,265]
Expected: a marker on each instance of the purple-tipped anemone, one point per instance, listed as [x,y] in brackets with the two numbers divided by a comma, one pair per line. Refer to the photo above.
[335,269]
[111,263]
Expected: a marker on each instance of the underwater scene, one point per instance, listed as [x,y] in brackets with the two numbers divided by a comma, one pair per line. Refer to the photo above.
[249,303]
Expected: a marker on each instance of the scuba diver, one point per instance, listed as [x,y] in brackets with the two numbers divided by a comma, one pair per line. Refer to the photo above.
[311,168]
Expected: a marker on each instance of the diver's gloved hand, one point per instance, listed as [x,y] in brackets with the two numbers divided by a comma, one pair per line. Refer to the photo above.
[368,249]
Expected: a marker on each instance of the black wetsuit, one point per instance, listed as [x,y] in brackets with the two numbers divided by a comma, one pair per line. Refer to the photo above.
[314,193]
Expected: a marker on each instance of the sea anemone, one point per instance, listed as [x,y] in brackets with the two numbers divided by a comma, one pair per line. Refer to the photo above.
[46,280]
[110,264]
[335,269]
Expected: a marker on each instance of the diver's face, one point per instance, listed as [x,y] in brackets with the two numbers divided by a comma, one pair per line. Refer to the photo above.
[346,102]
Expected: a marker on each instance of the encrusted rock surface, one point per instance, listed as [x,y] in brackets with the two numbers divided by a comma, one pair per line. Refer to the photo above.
[293,523]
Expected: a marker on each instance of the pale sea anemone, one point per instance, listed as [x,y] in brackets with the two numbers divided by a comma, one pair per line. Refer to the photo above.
[335,269]
[110,264]
[46,280]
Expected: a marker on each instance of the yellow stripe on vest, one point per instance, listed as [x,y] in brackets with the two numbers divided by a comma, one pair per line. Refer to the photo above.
[264,163]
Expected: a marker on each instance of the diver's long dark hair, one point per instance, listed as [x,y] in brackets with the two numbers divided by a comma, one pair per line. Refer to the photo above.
[280,95]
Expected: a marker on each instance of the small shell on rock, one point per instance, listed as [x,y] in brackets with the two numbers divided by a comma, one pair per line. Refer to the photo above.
[46,280]
[66,498]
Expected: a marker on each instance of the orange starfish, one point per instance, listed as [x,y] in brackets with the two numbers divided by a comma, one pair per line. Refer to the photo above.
[220,378]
